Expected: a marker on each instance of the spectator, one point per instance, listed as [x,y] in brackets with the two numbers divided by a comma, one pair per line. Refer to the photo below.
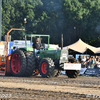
[87,62]
[83,62]
[90,60]
[93,62]
[84,59]
[96,58]
[79,59]
[97,63]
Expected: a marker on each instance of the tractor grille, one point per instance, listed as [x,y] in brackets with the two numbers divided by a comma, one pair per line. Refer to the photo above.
[64,56]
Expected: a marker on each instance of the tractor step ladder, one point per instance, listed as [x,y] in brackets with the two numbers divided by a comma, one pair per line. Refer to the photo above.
[2,65]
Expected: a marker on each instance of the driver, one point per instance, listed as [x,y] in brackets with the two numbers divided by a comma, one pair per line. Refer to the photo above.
[37,45]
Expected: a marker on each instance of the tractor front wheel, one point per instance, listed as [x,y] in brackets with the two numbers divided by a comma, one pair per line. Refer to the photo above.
[46,67]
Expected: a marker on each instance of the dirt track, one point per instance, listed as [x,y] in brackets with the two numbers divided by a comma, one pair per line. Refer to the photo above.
[61,88]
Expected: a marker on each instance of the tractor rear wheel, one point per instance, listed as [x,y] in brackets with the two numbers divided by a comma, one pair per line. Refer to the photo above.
[30,64]
[18,63]
[46,67]
[72,73]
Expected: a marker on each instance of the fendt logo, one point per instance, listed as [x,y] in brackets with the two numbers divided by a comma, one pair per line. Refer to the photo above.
[16,42]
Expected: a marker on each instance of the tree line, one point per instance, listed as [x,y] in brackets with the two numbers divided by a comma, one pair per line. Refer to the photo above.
[73,18]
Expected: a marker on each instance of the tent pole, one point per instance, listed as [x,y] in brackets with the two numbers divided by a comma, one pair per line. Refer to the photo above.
[68,53]
[86,56]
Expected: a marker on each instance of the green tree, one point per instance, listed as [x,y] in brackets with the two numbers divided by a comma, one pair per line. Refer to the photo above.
[84,15]
[14,12]
[74,18]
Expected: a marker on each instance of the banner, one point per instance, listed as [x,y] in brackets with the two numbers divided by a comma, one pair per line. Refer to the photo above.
[2,48]
[92,71]
[88,71]
[82,71]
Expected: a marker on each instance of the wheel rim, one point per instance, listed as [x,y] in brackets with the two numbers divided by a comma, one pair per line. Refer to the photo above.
[16,63]
[70,72]
[44,67]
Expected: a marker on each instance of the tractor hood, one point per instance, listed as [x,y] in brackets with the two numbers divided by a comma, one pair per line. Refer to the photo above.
[61,55]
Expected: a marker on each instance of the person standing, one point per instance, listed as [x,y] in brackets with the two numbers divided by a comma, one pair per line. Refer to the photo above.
[79,59]
[87,62]
[93,62]
[84,59]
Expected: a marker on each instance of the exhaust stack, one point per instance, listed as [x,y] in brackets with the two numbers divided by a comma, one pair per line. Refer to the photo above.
[61,41]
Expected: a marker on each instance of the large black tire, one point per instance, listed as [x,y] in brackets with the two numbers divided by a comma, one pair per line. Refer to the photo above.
[18,63]
[58,73]
[47,68]
[72,73]
[36,71]
[22,49]
[30,64]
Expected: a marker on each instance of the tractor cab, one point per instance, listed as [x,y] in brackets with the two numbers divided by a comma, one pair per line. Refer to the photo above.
[32,38]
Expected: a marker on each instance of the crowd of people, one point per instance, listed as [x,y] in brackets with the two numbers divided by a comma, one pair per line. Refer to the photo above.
[89,61]
[86,61]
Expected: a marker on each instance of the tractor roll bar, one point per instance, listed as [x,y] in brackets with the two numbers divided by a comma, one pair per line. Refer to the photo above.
[8,37]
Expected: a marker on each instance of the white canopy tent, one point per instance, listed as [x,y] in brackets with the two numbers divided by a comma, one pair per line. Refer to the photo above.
[82,47]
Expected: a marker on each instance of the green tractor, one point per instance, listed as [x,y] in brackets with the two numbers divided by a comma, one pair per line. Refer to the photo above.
[49,61]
